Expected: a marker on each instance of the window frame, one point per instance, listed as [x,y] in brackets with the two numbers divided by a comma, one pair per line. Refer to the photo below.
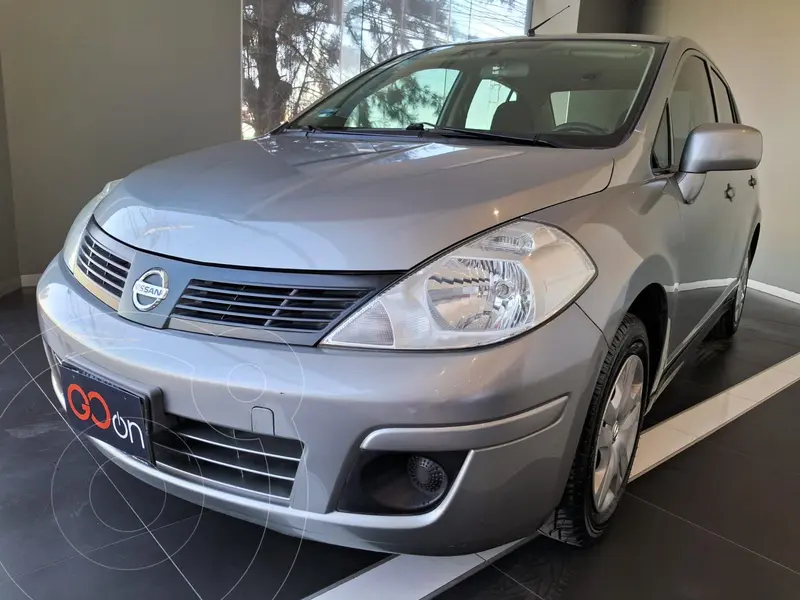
[734,110]
[675,162]
[670,168]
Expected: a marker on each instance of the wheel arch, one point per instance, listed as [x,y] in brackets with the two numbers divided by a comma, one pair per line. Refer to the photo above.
[754,242]
[651,307]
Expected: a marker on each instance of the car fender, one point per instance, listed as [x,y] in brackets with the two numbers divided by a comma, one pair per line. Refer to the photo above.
[631,233]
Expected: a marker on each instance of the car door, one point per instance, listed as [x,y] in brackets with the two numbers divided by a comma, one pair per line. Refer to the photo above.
[706,269]
[743,183]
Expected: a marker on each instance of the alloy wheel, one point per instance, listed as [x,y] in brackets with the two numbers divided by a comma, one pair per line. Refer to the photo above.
[616,439]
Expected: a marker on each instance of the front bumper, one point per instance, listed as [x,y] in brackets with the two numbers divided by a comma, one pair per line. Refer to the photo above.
[516,408]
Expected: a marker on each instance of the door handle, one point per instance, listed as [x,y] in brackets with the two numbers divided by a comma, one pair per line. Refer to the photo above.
[753,182]
[730,192]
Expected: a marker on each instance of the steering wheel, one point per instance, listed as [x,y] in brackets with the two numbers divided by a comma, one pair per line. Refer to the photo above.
[580,127]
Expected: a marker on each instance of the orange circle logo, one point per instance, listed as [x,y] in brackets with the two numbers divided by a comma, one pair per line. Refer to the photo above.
[85,411]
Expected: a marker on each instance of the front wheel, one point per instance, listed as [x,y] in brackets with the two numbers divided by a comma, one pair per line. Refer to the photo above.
[607,447]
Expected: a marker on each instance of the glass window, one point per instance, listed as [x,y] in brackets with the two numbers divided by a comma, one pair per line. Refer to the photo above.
[722,96]
[661,158]
[559,103]
[416,98]
[606,109]
[488,96]
[295,53]
[691,104]
[599,87]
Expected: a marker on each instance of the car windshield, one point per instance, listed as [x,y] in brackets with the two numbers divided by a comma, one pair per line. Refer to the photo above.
[585,93]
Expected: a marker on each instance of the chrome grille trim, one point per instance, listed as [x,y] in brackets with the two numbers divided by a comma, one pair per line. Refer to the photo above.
[259,464]
[101,271]
[271,307]
[255,304]
[88,269]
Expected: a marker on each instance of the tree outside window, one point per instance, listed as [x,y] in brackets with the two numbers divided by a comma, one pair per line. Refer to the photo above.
[296,51]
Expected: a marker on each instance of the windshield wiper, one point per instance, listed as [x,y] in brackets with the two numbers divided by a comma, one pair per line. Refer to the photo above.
[483,135]
[333,129]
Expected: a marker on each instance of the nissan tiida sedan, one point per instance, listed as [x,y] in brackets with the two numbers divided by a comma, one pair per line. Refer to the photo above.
[429,314]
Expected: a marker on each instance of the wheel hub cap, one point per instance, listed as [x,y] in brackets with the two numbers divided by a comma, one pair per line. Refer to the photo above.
[618,431]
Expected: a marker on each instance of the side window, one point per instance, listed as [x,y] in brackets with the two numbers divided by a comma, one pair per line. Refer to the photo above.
[691,103]
[723,98]
[661,157]
[488,96]
[411,99]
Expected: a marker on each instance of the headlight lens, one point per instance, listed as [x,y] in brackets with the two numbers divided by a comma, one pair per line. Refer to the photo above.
[75,234]
[490,289]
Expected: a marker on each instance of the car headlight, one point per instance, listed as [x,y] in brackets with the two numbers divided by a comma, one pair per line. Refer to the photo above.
[494,287]
[75,234]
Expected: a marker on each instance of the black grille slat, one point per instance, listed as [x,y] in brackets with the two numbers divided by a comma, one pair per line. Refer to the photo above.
[236,313]
[107,266]
[283,448]
[102,266]
[249,463]
[121,263]
[251,324]
[263,306]
[332,295]
[267,307]
[261,464]
[103,278]
[277,489]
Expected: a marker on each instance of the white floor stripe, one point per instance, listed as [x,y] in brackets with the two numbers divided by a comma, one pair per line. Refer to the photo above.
[495,553]
[404,577]
[419,577]
[774,290]
[665,440]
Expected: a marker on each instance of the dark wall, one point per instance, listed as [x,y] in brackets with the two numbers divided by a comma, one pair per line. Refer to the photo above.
[9,271]
[610,16]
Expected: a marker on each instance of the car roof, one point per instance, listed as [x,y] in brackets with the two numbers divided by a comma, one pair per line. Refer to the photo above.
[631,37]
[677,44]
[623,37]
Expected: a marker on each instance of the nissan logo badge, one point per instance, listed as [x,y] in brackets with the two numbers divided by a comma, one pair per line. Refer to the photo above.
[150,289]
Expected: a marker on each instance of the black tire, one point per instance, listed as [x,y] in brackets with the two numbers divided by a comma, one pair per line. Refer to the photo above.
[728,323]
[576,520]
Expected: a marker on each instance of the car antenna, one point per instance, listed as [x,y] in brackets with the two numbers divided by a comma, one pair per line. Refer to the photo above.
[532,30]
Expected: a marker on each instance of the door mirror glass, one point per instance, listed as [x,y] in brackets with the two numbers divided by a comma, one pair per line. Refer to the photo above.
[721,147]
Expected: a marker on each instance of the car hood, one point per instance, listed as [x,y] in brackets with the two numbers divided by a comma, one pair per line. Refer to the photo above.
[315,203]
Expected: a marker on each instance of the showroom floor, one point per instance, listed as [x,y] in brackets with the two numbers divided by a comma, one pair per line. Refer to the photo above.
[717,520]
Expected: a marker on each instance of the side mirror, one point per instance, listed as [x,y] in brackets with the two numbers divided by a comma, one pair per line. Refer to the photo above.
[717,147]
[722,147]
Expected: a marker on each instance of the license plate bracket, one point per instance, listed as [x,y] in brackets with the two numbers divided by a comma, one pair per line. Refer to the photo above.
[107,411]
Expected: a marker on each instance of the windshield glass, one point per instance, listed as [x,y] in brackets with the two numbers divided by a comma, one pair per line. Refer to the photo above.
[575,92]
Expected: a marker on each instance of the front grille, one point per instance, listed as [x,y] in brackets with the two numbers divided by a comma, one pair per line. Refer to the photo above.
[102,266]
[263,465]
[271,307]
